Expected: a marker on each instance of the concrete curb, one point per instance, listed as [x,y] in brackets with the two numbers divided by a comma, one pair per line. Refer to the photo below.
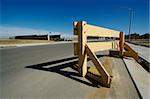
[32,44]
[133,81]
[139,76]
[139,44]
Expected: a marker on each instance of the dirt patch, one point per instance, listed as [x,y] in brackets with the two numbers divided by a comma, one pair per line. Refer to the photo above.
[7,46]
[121,87]
[13,41]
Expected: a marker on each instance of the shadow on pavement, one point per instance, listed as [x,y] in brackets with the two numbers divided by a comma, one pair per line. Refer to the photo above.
[58,68]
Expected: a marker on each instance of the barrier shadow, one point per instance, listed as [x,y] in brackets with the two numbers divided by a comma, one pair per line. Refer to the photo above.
[59,69]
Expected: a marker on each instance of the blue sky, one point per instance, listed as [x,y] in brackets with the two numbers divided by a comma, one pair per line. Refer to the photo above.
[58,15]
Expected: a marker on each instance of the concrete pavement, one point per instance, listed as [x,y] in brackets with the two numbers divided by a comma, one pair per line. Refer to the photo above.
[144,52]
[33,73]
[140,77]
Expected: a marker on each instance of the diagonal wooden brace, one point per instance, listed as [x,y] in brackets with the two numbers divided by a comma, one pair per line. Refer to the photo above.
[105,76]
[130,52]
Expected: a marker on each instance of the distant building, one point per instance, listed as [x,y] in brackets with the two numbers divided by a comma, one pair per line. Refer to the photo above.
[55,37]
[40,37]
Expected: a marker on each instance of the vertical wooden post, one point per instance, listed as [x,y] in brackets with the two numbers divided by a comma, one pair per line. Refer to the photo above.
[82,39]
[121,43]
[75,28]
[76,45]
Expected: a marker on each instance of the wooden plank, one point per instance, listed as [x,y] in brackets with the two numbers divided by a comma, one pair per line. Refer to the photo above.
[76,49]
[83,64]
[143,52]
[128,48]
[82,39]
[121,43]
[98,46]
[75,28]
[130,52]
[92,30]
[101,46]
[105,75]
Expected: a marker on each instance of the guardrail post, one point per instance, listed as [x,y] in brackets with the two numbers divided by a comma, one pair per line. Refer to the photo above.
[121,43]
[82,40]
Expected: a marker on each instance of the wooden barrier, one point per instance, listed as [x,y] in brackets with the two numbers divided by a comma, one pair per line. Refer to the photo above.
[84,49]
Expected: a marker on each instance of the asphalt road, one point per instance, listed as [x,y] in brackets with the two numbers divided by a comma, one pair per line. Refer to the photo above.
[33,73]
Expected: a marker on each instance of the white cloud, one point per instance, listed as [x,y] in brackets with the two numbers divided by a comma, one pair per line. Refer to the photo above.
[13,31]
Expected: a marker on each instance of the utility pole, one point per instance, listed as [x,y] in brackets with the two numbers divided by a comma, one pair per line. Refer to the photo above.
[50,36]
[130,23]
[74,18]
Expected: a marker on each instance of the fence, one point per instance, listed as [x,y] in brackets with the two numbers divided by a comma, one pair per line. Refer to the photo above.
[83,49]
